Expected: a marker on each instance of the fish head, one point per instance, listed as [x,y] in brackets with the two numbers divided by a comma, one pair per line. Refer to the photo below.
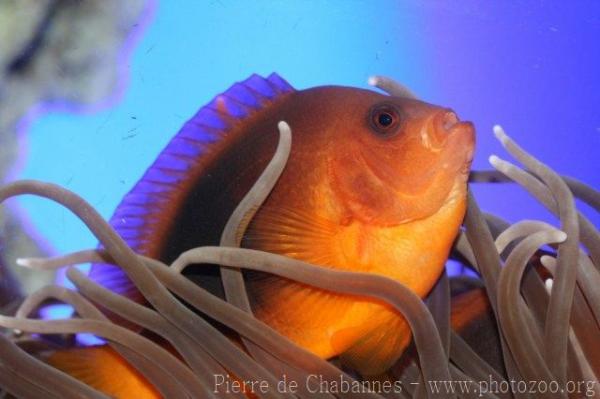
[399,159]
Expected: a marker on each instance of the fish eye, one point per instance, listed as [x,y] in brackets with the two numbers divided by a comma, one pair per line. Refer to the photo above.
[384,119]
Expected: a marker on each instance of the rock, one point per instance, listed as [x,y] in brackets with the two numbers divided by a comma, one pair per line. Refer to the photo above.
[55,52]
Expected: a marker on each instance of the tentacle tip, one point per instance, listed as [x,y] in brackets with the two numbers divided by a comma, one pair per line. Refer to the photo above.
[500,133]
[494,160]
[283,126]
[373,80]
[547,260]
[549,283]
[561,236]
[24,262]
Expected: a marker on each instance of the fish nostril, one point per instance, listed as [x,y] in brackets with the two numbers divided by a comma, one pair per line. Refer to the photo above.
[449,120]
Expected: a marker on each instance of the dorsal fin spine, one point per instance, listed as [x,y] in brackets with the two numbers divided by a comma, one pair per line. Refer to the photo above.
[138,217]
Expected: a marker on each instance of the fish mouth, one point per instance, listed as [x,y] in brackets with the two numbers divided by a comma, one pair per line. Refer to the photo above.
[441,127]
[453,137]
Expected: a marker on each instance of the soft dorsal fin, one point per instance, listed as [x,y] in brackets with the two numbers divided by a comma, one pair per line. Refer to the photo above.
[145,213]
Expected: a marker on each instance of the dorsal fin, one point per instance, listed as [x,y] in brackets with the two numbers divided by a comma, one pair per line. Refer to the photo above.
[142,214]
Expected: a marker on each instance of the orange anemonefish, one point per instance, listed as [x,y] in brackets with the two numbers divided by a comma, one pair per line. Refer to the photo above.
[374,183]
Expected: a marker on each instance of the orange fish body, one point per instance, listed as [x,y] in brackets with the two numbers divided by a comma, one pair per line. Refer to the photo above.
[374,184]
[360,197]
[104,369]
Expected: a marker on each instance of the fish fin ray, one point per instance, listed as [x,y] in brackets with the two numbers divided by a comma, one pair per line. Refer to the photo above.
[291,232]
[302,313]
[376,351]
[103,369]
[148,209]
[298,311]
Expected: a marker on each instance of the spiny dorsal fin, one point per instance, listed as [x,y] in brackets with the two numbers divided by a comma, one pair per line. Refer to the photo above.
[146,209]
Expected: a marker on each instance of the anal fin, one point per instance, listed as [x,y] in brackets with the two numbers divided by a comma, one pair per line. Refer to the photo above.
[376,351]
[105,370]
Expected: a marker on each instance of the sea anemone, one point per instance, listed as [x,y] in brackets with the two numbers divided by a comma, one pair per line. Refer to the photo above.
[540,282]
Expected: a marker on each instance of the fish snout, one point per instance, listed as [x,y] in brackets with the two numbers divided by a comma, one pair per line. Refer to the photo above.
[448,120]
[447,127]
[460,144]
[441,124]
[450,139]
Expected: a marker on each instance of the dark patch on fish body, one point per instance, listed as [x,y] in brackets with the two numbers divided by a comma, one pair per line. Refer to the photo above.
[185,198]
[212,198]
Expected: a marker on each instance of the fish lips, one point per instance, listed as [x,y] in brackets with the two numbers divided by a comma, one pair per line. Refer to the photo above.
[454,137]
